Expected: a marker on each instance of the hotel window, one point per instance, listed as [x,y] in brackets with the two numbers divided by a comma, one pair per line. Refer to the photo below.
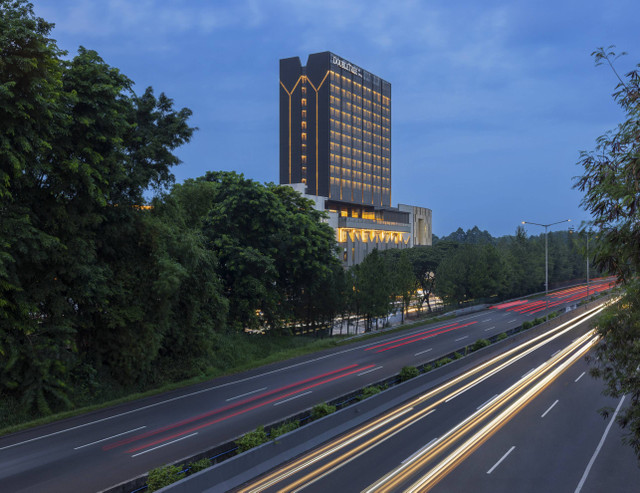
[304,159]
[304,90]
[304,101]
[304,136]
[304,113]
[304,125]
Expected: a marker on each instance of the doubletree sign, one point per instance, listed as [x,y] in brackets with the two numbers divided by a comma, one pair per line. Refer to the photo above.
[346,65]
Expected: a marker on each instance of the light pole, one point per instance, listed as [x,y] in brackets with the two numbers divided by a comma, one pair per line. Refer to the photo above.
[588,232]
[546,258]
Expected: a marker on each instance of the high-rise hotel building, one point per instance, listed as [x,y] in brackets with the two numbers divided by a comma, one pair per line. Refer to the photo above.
[335,142]
[335,130]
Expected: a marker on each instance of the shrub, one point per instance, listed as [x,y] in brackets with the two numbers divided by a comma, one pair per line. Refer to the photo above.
[252,439]
[321,410]
[408,372]
[442,362]
[162,476]
[479,344]
[526,325]
[199,465]
[369,391]
[284,428]
[457,356]
[501,336]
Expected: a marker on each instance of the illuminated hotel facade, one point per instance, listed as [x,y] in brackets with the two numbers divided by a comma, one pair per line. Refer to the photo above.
[335,143]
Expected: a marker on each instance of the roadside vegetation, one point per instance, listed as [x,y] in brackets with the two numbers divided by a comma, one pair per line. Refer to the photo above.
[610,182]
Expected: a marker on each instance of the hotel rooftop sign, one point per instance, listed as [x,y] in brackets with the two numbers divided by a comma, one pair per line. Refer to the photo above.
[346,65]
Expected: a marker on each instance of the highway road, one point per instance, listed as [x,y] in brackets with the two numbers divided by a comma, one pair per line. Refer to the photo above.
[496,430]
[98,450]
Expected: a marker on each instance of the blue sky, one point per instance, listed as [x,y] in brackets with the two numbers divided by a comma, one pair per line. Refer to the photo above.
[491,101]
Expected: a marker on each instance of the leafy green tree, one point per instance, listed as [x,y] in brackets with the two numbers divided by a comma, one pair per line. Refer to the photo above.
[425,261]
[404,281]
[78,257]
[610,182]
[472,271]
[36,340]
[373,288]
[275,254]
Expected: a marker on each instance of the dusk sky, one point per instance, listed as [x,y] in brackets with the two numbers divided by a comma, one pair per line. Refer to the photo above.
[491,101]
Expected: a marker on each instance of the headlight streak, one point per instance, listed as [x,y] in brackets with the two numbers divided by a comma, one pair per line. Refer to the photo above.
[332,447]
[488,430]
[400,475]
[325,450]
[328,469]
[350,455]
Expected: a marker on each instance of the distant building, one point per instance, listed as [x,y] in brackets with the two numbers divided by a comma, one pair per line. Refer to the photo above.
[335,147]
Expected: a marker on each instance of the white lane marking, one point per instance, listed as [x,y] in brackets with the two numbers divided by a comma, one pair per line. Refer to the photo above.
[419,451]
[595,454]
[292,398]
[512,320]
[486,402]
[490,328]
[487,320]
[581,375]
[556,352]
[167,401]
[550,408]
[164,445]
[108,438]
[369,371]
[244,395]
[526,374]
[209,389]
[422,352]
[503,458]
[460,338]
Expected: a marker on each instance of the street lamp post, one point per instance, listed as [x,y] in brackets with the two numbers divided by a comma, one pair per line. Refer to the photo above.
[546,258]
[588,232]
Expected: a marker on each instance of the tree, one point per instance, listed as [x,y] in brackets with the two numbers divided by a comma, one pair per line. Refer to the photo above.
[275,255]
[373,287]
[78,256]
[425,261]
[611,184]
[404,280]
[471,271]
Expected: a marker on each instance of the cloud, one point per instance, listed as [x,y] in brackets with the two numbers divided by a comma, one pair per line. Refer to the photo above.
[150,17]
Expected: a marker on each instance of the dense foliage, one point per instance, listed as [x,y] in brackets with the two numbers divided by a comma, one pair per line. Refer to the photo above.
[611,183]
[95,287]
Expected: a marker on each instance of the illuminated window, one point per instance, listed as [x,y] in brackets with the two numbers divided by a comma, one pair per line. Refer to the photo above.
[304,90]
[304,125]
[304,113]
[304,180]
[304,159]
[304,136]
[304,101]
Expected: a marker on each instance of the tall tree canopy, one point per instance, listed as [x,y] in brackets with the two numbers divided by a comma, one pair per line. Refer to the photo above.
[78,150]
[611,184]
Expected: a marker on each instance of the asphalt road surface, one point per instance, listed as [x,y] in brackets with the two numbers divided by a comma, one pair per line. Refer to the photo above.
[98,450]
[527,423]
